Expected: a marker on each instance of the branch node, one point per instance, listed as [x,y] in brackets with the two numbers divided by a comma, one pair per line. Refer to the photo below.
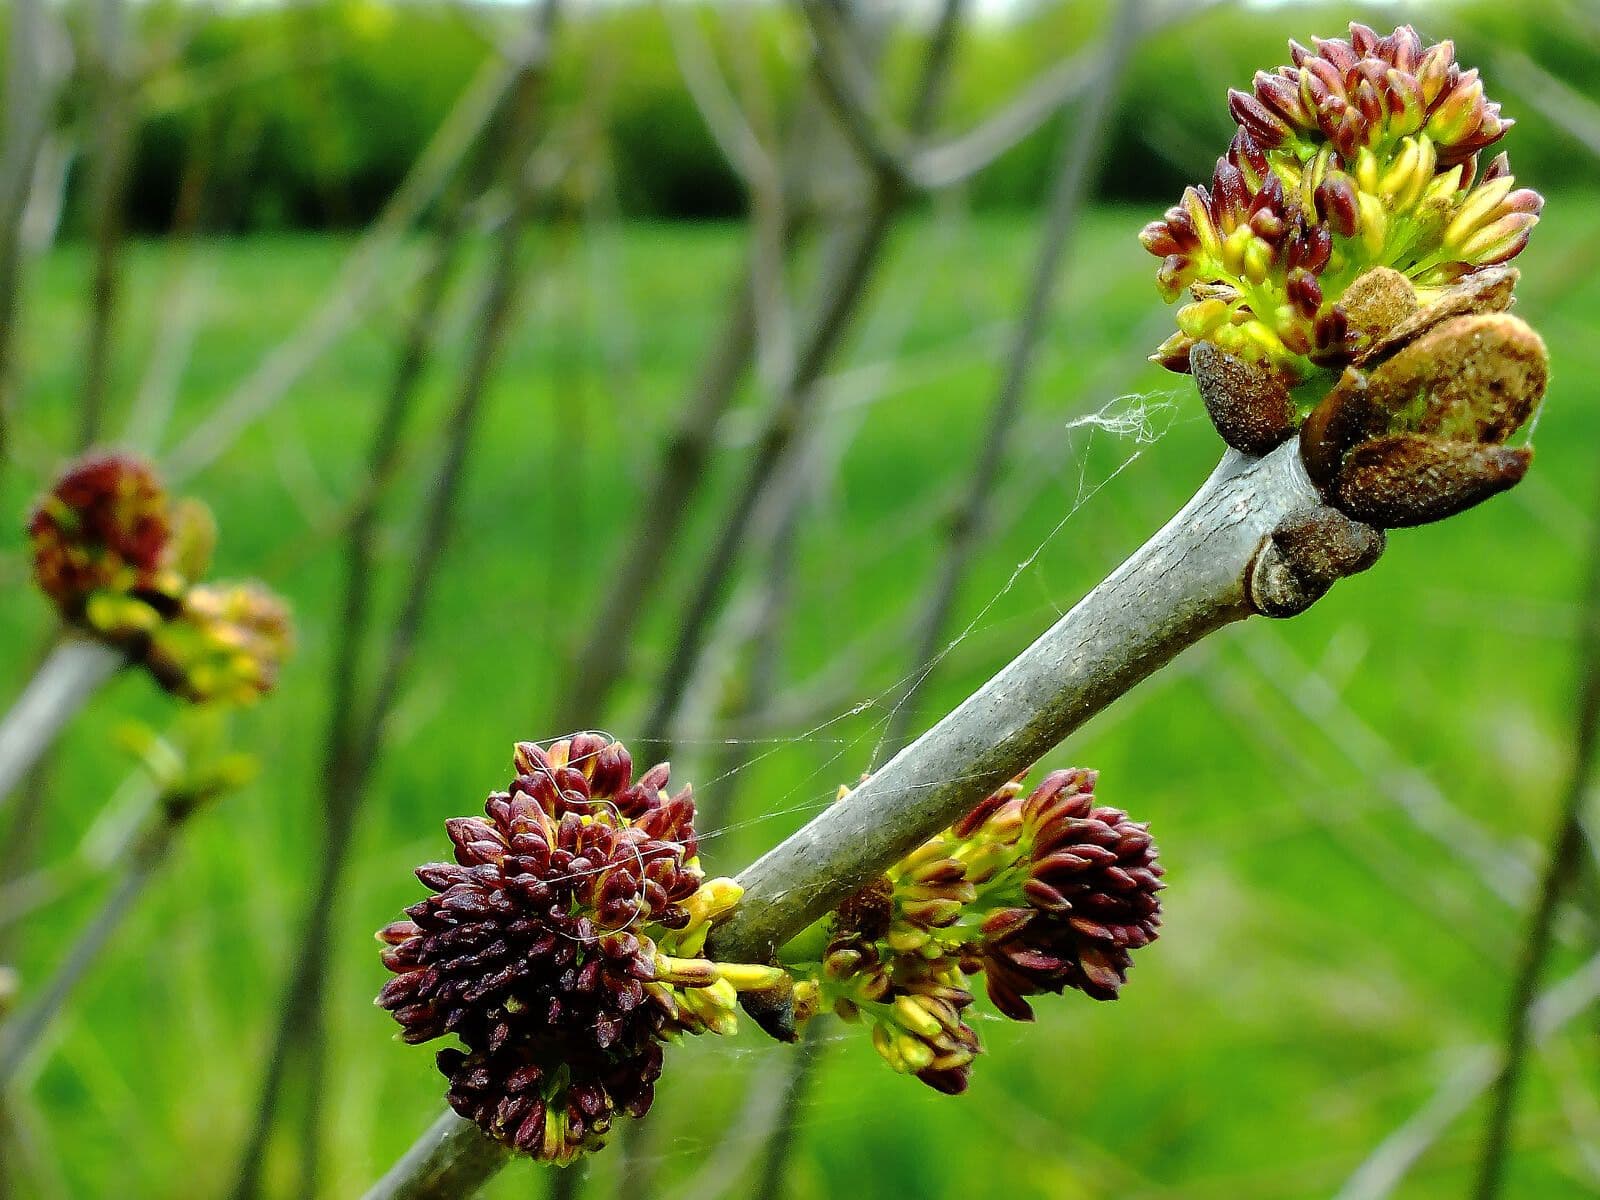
[1305,555]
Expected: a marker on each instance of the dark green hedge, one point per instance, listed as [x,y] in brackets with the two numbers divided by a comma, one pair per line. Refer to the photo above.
[309,116]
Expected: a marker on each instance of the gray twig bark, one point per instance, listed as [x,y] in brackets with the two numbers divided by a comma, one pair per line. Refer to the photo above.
[370,265]
[66,680]
[844,286]
[22,1032]
[28,95]
[108,170]
[1212,564]
[602,661]
[1081,151]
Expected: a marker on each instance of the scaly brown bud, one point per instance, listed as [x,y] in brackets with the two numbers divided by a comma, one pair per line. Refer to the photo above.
[1416,432]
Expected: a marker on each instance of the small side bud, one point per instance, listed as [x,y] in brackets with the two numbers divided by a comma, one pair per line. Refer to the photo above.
[1247,400]
[1306,555]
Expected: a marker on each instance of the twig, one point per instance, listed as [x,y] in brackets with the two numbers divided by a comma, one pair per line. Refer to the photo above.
[726,1163]
[1199,573]
[353,749]
[1557,102]
[363,272]
[735,137]
[1566,849]
[1418,797]
[21,1034]
[1325,800]
[893,153]
[1387,1166]
[843,288]
[774,1171]
[63,684]
[448,1162]
[1081,152]
[27,103]
[108,169]
[845,83]
[602,660]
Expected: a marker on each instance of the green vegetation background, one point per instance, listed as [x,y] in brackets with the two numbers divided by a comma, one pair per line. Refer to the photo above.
[1327,961]
[308,115]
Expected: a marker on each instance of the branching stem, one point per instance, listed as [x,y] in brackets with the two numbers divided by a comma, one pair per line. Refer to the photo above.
[1214,563]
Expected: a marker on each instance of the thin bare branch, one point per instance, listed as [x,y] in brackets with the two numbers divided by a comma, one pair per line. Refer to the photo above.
[449,1162]
[1082,149]
[356,730]
[1194,576]
[1565,855]
[30,88]
[66,680]
[773,1174]
[844,286]
[719,110]
[844,81]
[368,267]
[1558,102]
[108,171]
[1386,1168]
[21,1034]
[1204,569]
[958,159]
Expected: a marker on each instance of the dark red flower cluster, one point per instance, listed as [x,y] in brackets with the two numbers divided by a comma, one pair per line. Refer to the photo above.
[1039,893]
[535,950]
[1369,90]
[104,525]
[1089,898]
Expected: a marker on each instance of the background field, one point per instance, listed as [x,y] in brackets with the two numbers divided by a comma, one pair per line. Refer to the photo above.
[1348,804]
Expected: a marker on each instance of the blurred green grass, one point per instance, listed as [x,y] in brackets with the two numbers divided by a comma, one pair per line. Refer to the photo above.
[1326,963]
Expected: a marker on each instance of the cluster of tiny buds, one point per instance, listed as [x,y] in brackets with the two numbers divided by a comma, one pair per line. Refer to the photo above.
[1360,154]
[1038,893]
[121,563]
[564,946]
[1367,91]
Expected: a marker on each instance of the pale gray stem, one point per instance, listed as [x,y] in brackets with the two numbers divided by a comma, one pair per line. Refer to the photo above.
[108,166]
[63,684]
[1386,1168]
[29,91]
[1081,152]
[1213,563]
[449,1162]
[22,1033]
[960,158]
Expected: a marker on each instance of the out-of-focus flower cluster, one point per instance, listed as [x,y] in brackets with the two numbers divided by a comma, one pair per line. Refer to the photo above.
[1359,154]
[121,562]
[562,948]
[1038,893]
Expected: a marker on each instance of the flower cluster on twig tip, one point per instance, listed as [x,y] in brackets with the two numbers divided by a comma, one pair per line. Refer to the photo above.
[1360,154]
[563,946]
[1038,893]
[121,562]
